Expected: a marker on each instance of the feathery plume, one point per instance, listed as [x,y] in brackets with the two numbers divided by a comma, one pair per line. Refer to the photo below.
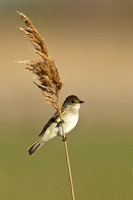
[45,69]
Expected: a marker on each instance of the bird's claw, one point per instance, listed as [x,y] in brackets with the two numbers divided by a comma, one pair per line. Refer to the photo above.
[64,138]
[60,122]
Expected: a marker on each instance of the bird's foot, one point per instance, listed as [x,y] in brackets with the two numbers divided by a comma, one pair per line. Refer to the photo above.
[59,123]
[62,121]
[64,138]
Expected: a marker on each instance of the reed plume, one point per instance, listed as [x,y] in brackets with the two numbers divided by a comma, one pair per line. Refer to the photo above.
[48,76]
[45,69]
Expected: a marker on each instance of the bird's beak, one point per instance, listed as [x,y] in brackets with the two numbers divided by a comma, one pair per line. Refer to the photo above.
[81,101]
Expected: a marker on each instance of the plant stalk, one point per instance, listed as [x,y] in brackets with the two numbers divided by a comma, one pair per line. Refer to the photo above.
[66,150]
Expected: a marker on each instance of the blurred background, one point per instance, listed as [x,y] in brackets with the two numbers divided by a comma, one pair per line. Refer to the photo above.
[91,43]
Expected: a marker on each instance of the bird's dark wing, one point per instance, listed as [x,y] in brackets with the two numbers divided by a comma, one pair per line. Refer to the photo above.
[52,119]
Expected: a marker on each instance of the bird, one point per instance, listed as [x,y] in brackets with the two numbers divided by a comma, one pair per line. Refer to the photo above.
[53,128]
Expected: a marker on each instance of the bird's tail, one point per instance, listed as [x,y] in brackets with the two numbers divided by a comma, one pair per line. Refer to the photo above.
[35,147]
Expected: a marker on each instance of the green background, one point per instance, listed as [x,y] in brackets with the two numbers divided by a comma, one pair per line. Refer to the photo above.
[92,44]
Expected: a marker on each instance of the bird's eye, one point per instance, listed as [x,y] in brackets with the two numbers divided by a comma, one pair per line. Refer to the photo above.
[72,101]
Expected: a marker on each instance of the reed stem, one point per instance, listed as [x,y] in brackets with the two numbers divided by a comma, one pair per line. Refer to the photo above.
[66,150]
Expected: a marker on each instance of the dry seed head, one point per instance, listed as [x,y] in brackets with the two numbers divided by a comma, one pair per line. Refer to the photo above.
[45,69]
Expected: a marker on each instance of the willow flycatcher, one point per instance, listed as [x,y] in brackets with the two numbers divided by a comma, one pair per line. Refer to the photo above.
[70,116]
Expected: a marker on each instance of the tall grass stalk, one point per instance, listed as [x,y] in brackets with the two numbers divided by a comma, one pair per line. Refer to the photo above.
[48,76]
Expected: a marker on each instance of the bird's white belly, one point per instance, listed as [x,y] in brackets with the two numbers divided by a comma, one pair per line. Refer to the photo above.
[69,123]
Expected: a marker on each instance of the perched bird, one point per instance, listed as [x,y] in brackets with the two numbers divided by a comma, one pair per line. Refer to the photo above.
[70,116]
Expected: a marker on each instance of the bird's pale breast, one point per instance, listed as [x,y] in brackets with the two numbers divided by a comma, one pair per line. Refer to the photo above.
[70,120]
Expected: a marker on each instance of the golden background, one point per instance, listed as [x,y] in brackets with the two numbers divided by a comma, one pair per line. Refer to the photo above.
[91,43]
